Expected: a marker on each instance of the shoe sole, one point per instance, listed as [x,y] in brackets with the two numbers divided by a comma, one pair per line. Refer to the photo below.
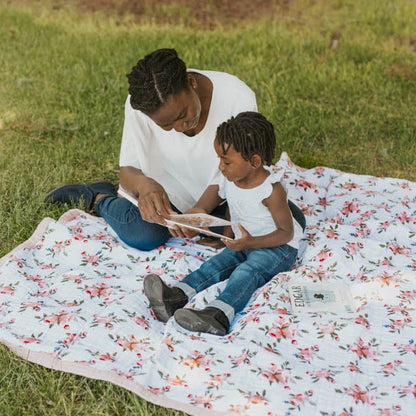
[188,319]
[153,289]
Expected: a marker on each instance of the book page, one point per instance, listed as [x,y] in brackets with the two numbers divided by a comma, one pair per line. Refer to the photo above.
[198,222]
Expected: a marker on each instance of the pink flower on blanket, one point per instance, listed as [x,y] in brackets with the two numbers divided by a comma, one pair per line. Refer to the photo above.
[351,185]
[105,357]
[218,379]
[158,270]
[397,324]
[106,320]
[38,279]
[298,399]
[361,320]
[330,233]
[408,348]
[273,373]
[322,374]
[59,245]
[364,350]
[177,255]
[6,290]
[407,295]
[319,274]
[29,340]
[302,183]
[407,390]
[92,259]
[352,247]
[396,248]
[100,290]
[197,359]
[168,341]
[282,329]
[390,367]
[404,218]
[361,395]
[389,411]
[131,343]
[33,305]
[243,358]
[59,318]
[204,399]
[352,368]
[306,354]
[350,207]
[76,278]
[141,322]
[324,255]
[327,328]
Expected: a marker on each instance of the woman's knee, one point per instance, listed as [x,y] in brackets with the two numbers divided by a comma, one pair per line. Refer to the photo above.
[126,221]
[145,237]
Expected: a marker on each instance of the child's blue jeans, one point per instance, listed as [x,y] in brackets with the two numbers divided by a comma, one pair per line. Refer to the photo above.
[245,270]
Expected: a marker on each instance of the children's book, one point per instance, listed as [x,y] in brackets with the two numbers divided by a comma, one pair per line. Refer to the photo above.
[321,297]
[196,222]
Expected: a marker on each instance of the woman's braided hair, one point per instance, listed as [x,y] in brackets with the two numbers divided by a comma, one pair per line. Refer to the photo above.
[249,133]
[156,77]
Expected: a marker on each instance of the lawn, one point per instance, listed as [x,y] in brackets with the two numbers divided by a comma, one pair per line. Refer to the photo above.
[338,80]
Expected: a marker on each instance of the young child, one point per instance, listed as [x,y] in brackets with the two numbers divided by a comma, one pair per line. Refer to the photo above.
[266,235]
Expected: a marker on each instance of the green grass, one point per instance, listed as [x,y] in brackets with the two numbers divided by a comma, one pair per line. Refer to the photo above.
[62,90]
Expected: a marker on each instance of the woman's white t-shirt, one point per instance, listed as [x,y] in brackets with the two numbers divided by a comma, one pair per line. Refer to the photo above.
[183,165]
[247,208]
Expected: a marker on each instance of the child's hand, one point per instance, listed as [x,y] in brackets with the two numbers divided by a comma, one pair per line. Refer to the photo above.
[242,243]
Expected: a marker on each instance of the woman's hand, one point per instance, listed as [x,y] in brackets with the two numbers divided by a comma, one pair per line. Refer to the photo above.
[184,232]
[243,243]
[153,202]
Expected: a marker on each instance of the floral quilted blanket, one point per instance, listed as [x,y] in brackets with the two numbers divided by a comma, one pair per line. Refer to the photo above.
[71,298]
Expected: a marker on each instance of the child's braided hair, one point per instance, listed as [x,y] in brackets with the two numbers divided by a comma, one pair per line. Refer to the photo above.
[250,133]
[157,76]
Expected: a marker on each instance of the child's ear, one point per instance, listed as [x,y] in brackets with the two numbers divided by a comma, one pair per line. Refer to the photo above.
[256,161]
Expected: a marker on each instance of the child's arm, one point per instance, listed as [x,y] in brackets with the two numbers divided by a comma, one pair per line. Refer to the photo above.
[282,216]
[206,203]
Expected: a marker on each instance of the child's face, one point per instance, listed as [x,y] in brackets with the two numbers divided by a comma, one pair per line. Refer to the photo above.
[232,165]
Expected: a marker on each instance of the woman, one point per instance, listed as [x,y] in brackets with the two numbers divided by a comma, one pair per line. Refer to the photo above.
[167,157]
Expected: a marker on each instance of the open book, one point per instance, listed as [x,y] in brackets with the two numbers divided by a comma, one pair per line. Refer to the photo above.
[197,222]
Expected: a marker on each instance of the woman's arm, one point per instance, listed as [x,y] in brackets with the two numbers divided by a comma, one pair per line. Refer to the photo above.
[153,201]
[282,217]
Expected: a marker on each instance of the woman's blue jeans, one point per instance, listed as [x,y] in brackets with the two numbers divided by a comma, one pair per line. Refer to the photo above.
[125,219]
[245,270]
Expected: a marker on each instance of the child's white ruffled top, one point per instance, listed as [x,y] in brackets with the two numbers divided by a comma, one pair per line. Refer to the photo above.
[247,208]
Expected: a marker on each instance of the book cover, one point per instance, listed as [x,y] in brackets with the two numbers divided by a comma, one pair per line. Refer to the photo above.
[321,297]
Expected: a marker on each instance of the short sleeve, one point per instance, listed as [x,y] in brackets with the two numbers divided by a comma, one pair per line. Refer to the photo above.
[135,134]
